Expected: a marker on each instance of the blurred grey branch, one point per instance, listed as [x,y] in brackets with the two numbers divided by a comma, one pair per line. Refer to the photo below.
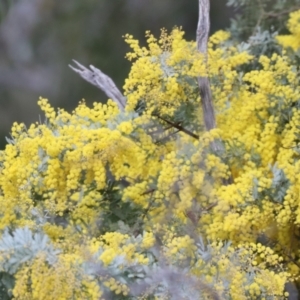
[203,82]
[175,282]
[169,282]
[202,33]
[101,81]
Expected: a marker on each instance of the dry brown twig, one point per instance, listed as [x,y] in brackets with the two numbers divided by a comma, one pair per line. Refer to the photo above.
[101,81]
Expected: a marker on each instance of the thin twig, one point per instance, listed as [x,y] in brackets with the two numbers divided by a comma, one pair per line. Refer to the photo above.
[179,127]
[282,13]
[166,137]
[151,191]
[195,216]
[101,81]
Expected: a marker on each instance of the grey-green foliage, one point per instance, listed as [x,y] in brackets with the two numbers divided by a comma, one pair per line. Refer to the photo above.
[270,15]
[280,184]
[17,248]
[112,124]
[278,189]
[21,246]
[155,280]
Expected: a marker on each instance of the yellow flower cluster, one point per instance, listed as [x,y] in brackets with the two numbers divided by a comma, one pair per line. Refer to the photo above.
[58,163]
[162,79]
[236,264]
[116,287]
[180,248]
[293,26]
[64,280]
[115,244]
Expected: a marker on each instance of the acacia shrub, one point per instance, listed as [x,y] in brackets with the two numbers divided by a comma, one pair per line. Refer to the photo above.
[108,204]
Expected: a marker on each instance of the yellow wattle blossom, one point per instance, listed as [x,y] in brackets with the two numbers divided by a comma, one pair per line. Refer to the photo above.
[62,281]
[293,26]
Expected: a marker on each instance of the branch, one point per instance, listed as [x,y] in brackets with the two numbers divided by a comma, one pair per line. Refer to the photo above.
[101,81]
[202,33]
[203,26]
[203,82]
[173,279]
[281,13]
[179,127]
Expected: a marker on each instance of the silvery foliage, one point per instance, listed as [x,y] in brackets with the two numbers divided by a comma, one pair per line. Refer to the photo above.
[211,257]
[280,183]
[277,4]
[278,189]
[113,123]
[236,3]
[17,248]
[156,279]
[10,141]
[163,280]
[263,15]
[168,71]
[22,246]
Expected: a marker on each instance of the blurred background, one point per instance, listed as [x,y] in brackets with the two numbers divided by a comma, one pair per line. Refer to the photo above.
[39,38]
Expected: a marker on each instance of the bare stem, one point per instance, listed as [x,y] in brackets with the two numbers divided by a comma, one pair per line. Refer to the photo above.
[101,81]
[179,127]
[203,82]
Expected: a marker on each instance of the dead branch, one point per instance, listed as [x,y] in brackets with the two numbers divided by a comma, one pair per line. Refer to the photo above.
[203,82]
[202,33]
[101,81]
